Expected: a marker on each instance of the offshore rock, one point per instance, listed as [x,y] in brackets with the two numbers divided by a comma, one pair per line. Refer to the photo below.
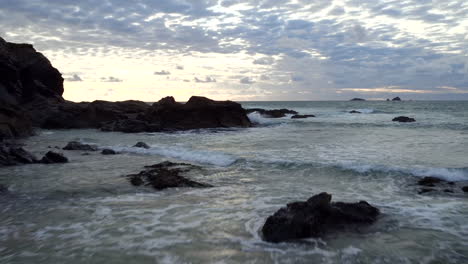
[357,99]
[396,99]
[403,119]
[141,145]
[13,155]
[108,152]
[301,116]
[75,145]
[54,157]
[165,175]
[275,113]
[354,112]
[317,217]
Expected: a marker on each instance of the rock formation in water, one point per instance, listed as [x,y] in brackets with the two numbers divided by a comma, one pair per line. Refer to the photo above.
[403,119]
[165,175]
[317,217]
[75,145]
[301,116]
[357,99]
[396,99]
[354,112]
[275,113]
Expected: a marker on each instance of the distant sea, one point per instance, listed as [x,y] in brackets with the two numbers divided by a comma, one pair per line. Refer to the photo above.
[86,211]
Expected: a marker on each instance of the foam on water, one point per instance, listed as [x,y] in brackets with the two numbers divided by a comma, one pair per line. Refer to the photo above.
[257,118]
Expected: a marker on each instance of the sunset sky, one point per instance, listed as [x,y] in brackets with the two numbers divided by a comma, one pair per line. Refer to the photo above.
[248,50]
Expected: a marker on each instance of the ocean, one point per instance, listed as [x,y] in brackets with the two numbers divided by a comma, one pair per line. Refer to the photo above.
[86,211]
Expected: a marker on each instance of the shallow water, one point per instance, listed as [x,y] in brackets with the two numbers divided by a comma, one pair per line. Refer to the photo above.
[86,211]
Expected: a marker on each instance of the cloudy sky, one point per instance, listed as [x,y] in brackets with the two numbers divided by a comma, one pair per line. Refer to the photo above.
[247,49]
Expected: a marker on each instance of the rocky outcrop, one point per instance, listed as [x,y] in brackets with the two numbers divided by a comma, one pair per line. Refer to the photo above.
[54,157]
[317,217]
[14,155]
[108,152]
[301,116]
[403,119]
[141,145]
[165,175]
[357,99]
[275,113]
[14,122]
[465,188]
[75,145]
[434,185]
[354,112]
[396,99]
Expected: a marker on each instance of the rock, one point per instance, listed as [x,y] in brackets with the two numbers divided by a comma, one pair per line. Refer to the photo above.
[141,145]
[357,99]
[3,189]
[396,99]
[403,119]
[301,116]
[54,157]
[387,100]
[275,113]
[465,188]
[430,181]
[129,126]
[108,152]
[13,155]
[165,175]
[316,217]
[354,112]
[14,122]
[198,112]
[74,145]
[425,190]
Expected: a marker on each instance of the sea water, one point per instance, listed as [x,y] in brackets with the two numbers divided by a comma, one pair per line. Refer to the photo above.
[86,211]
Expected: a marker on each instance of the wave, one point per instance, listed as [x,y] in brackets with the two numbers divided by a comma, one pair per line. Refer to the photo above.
[257,118]
[198,156]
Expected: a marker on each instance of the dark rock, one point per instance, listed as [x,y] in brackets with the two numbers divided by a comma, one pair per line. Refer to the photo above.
[404,119]
[317,217]
[430,181]
[465,188]
[3,189]
[14,122]
[14,155]
[354,112]
[74,145]
[165,175]
[108,152]
[425,190]
[275,113]
[301,116]
[357,99]
[141,145]
[54,157]
[85,154]
[448,191]
[388,100]
[396,99]
[129,126]
[198,112]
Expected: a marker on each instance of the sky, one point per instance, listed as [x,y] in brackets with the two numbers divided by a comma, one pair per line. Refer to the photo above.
[248,50]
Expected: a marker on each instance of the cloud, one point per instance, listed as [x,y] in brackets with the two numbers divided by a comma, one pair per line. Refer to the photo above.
[179,67]
[246,80]
[264,61]
[110,79]
[74,78]
[207,79]
[163,72]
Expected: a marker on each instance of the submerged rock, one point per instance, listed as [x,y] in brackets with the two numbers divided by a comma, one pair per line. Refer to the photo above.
[354,112]
[403,119]
[275,113]
[465,188]
[396,99]
[54,157]
[141,145]
[108,152]
[301,116]
[430,181]
[357,99]
[75,145]
[317,217]
[437,185]
[165,175]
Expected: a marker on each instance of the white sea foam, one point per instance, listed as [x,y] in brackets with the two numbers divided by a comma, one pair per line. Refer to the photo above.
[366,110]
[199,156]
[257,118]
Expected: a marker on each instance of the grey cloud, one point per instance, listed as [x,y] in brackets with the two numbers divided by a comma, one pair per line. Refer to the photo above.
[179,67]
[264,61]
[111,79]
[74,78]
[163,72]
[207,79]
[246,80]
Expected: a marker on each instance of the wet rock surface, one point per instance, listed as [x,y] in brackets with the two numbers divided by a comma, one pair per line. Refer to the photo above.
[165,175]
[301,116]
[75,145]
[317,217]
[54,157]
[403,119]
[275,113]
[15,155]
[354,112]
[141,145]
[434,185]
[108,152]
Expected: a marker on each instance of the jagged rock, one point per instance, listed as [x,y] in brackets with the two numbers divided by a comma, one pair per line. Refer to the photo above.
[430,181]
[13,155]
[75,145]
[403,119]
[141,145]
[108,152]
[165,175]
[357,99]
[317,217]
[129,126]
[354,112]
[301,116]
[396,99]
[54,157]
[198,112]
[275,113]
[14,122]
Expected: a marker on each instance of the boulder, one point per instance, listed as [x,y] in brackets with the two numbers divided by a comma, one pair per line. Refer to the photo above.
[396,99]
[357,99]
[141,145]
[75,145]
[54,157]
[198,112]
[430,181]
[165,175]
[14,155]
[275,113]
[108,152]
[130,126]
[301,116]
[465,188]
[317,217]
[354,112]
[403,119]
